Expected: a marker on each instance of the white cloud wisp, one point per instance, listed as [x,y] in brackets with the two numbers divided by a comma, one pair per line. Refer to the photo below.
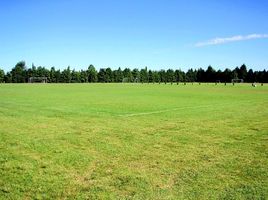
[217,41]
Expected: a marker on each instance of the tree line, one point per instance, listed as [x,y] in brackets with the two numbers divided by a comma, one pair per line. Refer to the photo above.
[21,74]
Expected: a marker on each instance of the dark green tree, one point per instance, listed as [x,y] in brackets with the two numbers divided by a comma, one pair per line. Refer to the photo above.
[8,77]
[170,76]
[102,75]
[265,76]
[261,76]
[144,75]
[52,75]
[162,75]
[242,72]
[210,74]
[58,76]
[108,75]
[75,76]
[227,75]
[178,76]
[83,76]
[31,72]
[191,75]
[250,76]
[136,75]
[42,72]
[156,77]
[127,75]
[66,75]
[118,75]
[92,74]
[19,73]
[200,75]
[150,76]
[235,73]
[219,76]
[2,76]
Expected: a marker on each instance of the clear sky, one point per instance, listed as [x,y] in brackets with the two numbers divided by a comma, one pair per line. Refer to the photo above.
[160,34]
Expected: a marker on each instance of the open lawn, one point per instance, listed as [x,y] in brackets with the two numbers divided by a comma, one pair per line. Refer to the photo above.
[140,141]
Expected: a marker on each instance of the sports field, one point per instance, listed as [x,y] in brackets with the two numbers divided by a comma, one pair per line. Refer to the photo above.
[133,141]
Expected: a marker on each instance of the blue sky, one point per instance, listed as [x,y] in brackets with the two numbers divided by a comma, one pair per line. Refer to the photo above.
[160,34]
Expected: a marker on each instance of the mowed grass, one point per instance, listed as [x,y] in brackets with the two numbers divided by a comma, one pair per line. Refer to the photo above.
[133,141]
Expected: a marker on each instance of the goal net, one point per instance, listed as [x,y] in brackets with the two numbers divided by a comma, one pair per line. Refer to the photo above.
[38,80]
[237,80]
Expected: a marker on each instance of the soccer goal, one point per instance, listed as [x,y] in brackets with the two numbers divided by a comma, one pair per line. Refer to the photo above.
[237,80]
[38,80]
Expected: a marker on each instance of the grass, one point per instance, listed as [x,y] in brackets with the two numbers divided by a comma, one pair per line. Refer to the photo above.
[133,141]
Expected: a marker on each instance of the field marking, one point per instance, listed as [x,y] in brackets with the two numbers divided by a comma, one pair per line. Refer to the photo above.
[134,114]
[174,109]
[162,111]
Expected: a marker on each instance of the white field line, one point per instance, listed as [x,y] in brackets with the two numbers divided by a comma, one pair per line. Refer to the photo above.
[174,109]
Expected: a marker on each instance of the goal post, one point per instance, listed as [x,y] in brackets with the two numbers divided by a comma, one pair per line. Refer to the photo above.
[35,79]
[237,80]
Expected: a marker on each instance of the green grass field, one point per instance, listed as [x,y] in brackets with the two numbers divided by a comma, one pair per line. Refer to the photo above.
[133,141]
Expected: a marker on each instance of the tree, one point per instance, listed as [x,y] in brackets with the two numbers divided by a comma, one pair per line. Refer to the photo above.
[261,76]
[2,76]
[52,75]
[156,77]
[191,75]
[227,75]
[118,75]
[42,72]
[266,77]
[162,75]
[19,73]
[108,75]
[178,76]
[150,76]
[127,75]
[250,76]
[242,72]
[31,72]
[8,77]
[92,74]
[101,75]
[200,75]
[75,76]
[83,76]
[219,75]
[58,76]
[235,73]
[144,75]
[170,76]
[136,75]
[66,75]
[210,74]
